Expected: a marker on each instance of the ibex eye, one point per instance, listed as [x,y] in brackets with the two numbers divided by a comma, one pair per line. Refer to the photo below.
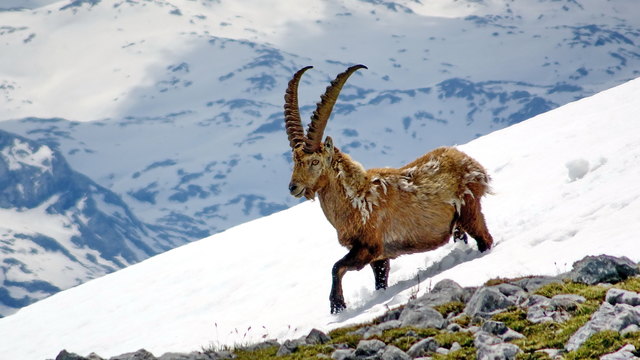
[315,162]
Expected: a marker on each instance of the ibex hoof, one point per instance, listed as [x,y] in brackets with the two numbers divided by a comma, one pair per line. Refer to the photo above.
[337,307]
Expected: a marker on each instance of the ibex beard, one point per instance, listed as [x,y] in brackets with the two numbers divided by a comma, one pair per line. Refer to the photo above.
[380,214]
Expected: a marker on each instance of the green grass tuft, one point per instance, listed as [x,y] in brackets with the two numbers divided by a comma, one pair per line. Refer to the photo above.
[455,307]
[589,292]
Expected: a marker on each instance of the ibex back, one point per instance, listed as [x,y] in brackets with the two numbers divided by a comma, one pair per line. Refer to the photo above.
[380,214]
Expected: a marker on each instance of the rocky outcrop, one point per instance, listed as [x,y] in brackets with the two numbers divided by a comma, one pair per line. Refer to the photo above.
[492,339]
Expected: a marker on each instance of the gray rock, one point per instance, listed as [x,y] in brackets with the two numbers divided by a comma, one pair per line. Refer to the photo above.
[483,338]
[510,290]
[261,345]
[422,317]
[443,292]
[494,327]
[607,317]
[393,353]
[453,327]
[534,300]
[486,302]
[630,329]
[555,309]
[393,314]
[423,347]
[503,351]
[343,354]
[94,356]
[316,337]
[369,347]
[552,353]
[290,346]
[625,353]
[489,347]
[65,355]
[619,296]
[377,330]
[472,329]
[141,354]
[182,356]
[534,283]
[602,268]
[455,347]
[221,355]
[567,302]
[511,335]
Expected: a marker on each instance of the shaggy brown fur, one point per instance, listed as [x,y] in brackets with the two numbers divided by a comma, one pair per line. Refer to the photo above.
[380,214]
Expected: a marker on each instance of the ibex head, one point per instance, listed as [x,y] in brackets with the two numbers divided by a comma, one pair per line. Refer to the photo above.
[310,156]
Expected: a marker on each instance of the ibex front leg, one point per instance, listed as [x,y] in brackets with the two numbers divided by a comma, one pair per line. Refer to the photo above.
[357,258]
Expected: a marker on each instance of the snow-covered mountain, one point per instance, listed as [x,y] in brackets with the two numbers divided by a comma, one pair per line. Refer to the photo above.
[176,106]
[565,187]
[59,228]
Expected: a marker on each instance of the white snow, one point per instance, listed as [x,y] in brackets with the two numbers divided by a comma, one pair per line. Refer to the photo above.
[270,278]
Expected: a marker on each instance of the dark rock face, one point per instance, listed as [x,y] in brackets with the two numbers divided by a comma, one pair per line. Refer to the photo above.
[603,268]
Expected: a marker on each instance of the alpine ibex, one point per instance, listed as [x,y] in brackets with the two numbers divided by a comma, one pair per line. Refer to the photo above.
[380,214]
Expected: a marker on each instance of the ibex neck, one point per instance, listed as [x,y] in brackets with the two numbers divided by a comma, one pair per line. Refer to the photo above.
[346,181]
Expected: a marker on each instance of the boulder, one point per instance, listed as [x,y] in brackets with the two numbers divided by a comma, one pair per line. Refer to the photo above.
[423,347]
[377,330]
[490,347]
[555,309]
[290,346]
[141,354]
[369,348]
[486,302]
[625,353]
[607,317]
[443,292]
[393,353]
[619,296]
[531,284]
[422,317]
[343,354]
[602,268]
[190,356]
[65,355]
[317,337]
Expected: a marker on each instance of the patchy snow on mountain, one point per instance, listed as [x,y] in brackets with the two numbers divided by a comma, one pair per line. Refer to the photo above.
[565,186]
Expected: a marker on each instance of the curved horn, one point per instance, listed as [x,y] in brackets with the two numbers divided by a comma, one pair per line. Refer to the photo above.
[292,121]
[323,110]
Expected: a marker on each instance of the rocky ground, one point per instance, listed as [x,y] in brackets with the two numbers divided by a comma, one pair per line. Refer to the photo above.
[592,312]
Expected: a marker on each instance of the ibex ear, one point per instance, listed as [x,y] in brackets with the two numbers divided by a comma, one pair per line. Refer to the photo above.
[328,144]
[329,149]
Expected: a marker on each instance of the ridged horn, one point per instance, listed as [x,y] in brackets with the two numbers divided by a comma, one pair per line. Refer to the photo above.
[292,121]
[323,110]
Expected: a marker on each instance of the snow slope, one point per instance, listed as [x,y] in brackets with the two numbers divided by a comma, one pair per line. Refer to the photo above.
[565,186]
[176,106]
[190,93]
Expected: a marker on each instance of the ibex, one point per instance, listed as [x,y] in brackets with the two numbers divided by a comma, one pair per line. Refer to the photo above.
[380,214]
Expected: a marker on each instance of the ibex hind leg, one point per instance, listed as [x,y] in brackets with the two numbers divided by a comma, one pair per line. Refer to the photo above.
[381,273]
[472,222]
